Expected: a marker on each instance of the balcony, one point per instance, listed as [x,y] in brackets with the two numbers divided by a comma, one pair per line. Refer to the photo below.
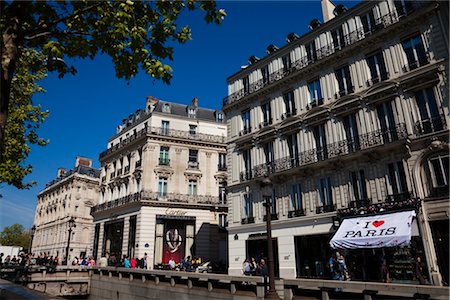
[193,165]
[430,125]
[138,164]
[360,203]
[415,64]
[126,170]
[164,161]
[398,197]
[325,208]
[296,213]
[265,123]
[104,179]
[343,93]
[382,77]
[113,175]
[221,167]
[288,114]
[245,130]
[273,217]
[321,53]
[117,203]
[245,175]
[119,172]
[248,220]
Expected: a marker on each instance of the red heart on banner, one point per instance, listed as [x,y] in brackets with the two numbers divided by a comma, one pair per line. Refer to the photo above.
[377,223]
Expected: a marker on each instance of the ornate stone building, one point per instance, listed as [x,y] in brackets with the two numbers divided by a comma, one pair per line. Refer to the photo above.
[71,194]
[350,118]
[163,180]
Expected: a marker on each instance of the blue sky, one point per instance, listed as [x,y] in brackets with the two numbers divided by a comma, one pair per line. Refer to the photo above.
[86,108]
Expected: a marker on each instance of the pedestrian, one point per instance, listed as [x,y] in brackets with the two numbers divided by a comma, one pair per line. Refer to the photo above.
[172,264]
[420,271]
[334,267]
[253,266]
[246,270]
[133,263]
[341,266]
[126,262]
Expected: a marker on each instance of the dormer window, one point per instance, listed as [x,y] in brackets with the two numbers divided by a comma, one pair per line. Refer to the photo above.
[220,117]
[166,108]
[192,112]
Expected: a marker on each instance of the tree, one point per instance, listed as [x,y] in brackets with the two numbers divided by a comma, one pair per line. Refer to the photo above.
[15,235]
[136,35]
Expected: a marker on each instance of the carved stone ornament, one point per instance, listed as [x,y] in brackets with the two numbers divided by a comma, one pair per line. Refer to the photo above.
[137,175]
[148,147]
[221,177]
[192,176]
[163,172]
[437,144]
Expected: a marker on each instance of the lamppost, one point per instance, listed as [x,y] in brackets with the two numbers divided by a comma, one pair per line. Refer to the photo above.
[32,231]
[72,225]
[266,189]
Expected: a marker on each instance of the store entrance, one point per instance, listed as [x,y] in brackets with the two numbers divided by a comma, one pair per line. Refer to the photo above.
[257,248]
[312,254]
[112,241]
[440,232]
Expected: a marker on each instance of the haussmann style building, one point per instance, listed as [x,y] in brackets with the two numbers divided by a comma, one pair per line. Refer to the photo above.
[162,190]
[349,122]
[69,196]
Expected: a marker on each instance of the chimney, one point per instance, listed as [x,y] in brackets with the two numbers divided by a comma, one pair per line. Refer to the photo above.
[327,10]
[195,102]
[150,103]
[61,172]
[83,161]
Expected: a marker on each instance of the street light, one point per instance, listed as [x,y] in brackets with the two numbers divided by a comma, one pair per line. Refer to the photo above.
[32,231]
[266,189]
[71,226]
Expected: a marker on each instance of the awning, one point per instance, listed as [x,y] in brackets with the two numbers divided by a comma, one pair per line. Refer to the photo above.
[387,230]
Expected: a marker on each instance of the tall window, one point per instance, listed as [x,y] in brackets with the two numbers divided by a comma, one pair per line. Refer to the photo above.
[397,177]
[222,166]
[192,112]
[287,64]
[246,121]
[222,193]
[222,220]
[439,168]
[164,156]
[325,192]
[193,159]
[289,103]
[165,127]
[338,38]
[268,153]
[192,129]
[293,149]
[248,206]
[344,81]
[377,67]
[267,113]
[220,117]
[166,108]
[403,7]
[192,188]
[265,74]
[162,186]
[358,185]
[387,122]
[247,163]
[351,132]
[246,84]
[415,52]
[368,22]
[321,142]
[315,93]
[430,120]
[296,197]
[311,52]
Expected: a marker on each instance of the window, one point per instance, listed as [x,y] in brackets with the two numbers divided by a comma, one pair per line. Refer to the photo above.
[265,74]
[338,38]
[321,142]
[368,22]
[222,220]
[247,164]
[315,93]
[358,185]
[293,149]
[246,121]
[192,129]
[269,154]
[403,7]
[162,187]
[289,103]
[166,108]
[222,193]
[248,206]
[220,117]
[246,84]
[192,112]
[311,52]
[222,166]
[267,113]
[164,156]
[351,132]
[415,52]
[296,197]
[193,159]
[397,178]
[287,64]
[387,122]
[192,188]
[344,81]
[439,168]
[164,127]
[377,67]
[430,120]
[325,192]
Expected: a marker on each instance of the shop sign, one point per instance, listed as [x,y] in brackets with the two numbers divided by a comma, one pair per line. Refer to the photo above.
[175,212]
[388,230]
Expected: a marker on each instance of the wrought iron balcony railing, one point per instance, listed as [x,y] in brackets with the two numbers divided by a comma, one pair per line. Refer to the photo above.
[296,213]
[164,161]
[138,164]
[325,208]
[119,172]
[126,170]
[113,175]
[401,203]
[116,203]
[360,203]
[193,165]
[273,217]
[248,220]
[321,53]
[433,124]
[340,148]
[398,197]
[222,167]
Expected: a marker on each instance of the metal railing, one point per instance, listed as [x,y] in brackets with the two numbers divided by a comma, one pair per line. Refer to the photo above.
[321,53]
[360,203]
[325,208]
[430,125]
[221,167]
[164,161]
[296,213]
[248,220]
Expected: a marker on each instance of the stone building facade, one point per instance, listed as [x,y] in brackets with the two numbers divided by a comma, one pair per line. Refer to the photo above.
[163,180]
[349,118]
[71,194]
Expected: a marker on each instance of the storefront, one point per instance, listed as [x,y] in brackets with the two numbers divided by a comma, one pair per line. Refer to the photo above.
[382,247]
[312,264]
[256,247]
[113,238]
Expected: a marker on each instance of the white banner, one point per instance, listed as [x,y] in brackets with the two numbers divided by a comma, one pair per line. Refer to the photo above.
[389,230]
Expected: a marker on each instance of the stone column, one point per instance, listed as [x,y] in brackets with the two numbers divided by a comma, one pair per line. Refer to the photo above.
[125,236]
